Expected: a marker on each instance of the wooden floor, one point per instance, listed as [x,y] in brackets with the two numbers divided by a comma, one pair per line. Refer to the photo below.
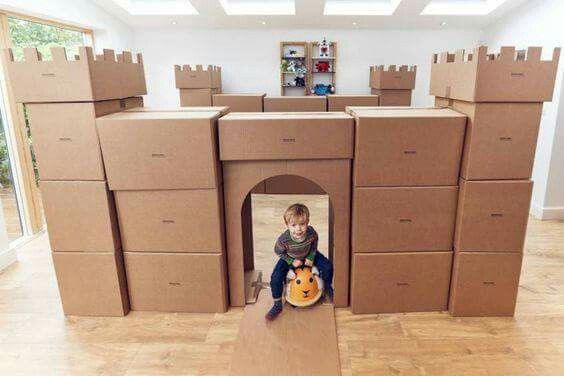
[36,338]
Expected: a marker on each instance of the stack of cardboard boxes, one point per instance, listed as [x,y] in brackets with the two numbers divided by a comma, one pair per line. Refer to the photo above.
[405,177]
[502,96]
[339,102]
[63,98]
[164,170]
[393,86]
[197,86]
[240,102]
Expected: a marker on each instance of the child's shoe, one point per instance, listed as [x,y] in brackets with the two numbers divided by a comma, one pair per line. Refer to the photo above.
[274,311]
[329,293]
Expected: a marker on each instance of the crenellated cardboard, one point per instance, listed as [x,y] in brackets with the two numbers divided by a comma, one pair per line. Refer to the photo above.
[86,78]
[392,78]
[488,77]
[188,77]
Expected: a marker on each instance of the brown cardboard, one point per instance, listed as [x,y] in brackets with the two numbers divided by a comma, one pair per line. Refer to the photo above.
[240,102]
[401,79]
[80,216]
[222,110]
[403,219]
[257,338]
[340,102]
[85,78]
[160,150]
[277,135]
[65,140]
[176,282]
[92,284]
[171,220]
[308,103]
[390,97]
[188,77]
[332,175]
[484,283]
[400,282]
[492,215]
[197,97]
[407,148]
[286,184]
[503,77]
[133,102]
[501,139]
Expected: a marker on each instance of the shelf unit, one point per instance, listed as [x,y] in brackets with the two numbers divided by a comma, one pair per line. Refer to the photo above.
[302,56]
[329,77]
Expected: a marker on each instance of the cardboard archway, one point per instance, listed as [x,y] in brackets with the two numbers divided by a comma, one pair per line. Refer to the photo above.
[328,166]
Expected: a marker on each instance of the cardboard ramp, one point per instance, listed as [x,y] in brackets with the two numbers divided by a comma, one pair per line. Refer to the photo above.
[298,342]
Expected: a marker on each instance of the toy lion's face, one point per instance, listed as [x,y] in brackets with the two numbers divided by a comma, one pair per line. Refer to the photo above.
[305,288]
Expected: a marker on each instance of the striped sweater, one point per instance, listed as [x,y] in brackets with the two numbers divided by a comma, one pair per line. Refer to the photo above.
[288,249]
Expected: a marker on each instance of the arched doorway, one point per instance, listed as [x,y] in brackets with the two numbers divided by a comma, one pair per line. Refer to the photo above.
[332,176]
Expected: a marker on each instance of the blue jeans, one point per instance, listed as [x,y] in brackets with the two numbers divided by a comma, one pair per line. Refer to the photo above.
[281,270]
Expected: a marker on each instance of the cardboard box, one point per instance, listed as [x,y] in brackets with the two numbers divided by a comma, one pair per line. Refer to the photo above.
[171,220]
[403,219]
[340,102]
[197,97]
[286,184]
[390,97]
[332,175]
[92,284]
[65,140]
[492,215]
[503,77]
[402,79]
[222,110]
[240,102]
[501,139]
[308,103]
[133,102]
[408,148]
[484,283]
[80,216]
[277,135]
[160,150]
[188,77]
[400,282]
[85,78]
[176,282]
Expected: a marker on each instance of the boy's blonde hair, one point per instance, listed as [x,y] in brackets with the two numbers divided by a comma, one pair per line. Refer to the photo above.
[296,211]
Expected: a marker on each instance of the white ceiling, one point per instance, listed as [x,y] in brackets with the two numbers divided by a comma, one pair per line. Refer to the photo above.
[308,13]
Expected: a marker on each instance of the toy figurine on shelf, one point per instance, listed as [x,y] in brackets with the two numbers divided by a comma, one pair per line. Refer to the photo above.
[324,48]
[299,81]
[291,66]
[322,89]
[284,65]
[322,66]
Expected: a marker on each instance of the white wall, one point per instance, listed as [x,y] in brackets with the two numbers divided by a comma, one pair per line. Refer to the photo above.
[109,32]
[250,58]
[540,23]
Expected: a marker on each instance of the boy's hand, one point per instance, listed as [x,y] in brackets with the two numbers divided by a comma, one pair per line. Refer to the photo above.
[308,262]
[297,263]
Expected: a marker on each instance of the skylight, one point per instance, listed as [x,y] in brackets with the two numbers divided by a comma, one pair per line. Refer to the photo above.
[157,7]
[360,7]
[258,7]
[461,7]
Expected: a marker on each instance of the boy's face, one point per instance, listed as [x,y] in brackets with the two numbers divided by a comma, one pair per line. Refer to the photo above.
[297,227]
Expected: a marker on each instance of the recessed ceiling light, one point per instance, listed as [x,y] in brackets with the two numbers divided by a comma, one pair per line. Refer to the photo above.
[263,22]
[443,23]
[258,7]
[360,7]
[461,8]
[173,22]
[157,7]
[354,23]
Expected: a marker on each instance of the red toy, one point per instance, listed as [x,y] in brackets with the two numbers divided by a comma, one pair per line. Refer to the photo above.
[322,66]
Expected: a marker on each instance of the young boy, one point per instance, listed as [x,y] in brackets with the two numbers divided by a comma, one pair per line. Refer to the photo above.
[297,246]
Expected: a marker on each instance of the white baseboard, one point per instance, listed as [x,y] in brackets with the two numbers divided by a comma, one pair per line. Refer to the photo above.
[547,212]
[8,257]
